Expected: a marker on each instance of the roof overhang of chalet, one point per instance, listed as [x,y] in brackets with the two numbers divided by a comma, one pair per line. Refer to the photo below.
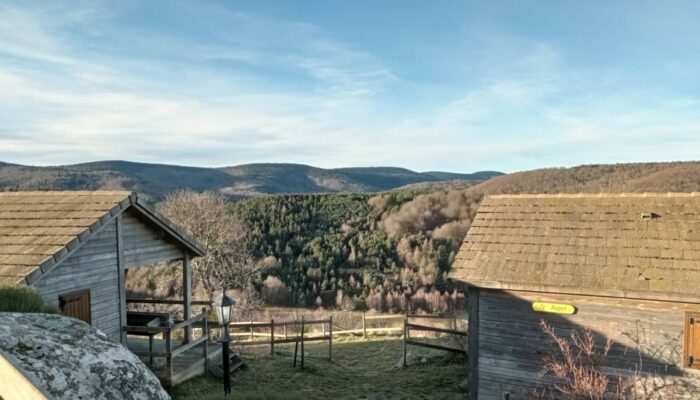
[39,230]
[629,245]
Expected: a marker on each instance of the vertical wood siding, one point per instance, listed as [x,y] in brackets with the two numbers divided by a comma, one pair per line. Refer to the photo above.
[94,267]
[144,245]
[647,341]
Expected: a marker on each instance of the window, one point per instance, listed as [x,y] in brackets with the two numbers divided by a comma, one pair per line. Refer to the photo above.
[76,305]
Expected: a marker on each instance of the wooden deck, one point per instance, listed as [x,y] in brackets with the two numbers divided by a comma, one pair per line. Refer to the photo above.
[185,365]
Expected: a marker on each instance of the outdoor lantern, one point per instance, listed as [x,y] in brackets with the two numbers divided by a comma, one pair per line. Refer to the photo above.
[223,312]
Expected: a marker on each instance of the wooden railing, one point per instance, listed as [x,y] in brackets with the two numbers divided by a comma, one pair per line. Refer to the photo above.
[369,320]
[274,337]
[407,327]
[167,301]
[167,333]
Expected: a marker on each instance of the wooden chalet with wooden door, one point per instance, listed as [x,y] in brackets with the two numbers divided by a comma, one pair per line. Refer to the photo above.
[76,249]
[624,266]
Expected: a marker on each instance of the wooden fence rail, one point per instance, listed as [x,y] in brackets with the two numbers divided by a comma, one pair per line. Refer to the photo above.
[407,327]
[429,328]
[298,336]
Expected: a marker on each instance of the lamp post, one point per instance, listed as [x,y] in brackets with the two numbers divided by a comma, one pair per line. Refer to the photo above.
[223,312]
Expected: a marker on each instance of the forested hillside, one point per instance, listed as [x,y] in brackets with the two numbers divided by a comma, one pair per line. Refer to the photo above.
[367,250]
[332,250]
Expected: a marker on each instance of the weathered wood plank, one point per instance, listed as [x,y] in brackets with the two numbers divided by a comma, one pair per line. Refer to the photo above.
[121,277]
[473,341]
[187,292]
[88,269]
[647,338]
[145,245]
[434,346]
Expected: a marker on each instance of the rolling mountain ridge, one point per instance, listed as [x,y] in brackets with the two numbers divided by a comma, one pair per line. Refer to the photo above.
[156,180]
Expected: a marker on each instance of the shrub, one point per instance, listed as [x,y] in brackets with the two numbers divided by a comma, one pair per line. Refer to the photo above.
[274,291]
[23,299]
[579,364]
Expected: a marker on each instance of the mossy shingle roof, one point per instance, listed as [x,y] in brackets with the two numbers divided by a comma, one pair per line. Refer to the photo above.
[38,230]
[643,246]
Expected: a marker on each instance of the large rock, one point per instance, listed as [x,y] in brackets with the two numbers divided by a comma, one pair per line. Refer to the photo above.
[72,360]
[412,359]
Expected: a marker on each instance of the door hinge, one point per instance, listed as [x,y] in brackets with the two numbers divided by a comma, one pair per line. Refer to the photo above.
[691,320]
[691,360]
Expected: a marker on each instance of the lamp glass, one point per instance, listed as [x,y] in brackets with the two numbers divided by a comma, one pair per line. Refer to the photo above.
[223,309]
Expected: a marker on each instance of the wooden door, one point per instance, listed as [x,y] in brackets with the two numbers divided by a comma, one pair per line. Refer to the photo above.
[692,340]
[76,305]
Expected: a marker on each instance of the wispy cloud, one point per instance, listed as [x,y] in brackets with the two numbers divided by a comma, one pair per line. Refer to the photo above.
[94,106]
[211,84]
[536,112]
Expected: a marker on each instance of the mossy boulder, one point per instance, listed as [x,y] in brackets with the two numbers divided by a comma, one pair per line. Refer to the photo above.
[72,360]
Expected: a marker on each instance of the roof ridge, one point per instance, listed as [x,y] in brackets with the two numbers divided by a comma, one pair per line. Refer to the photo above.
[592,195]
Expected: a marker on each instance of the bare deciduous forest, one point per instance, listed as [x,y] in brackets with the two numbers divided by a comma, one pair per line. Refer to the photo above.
[393,250]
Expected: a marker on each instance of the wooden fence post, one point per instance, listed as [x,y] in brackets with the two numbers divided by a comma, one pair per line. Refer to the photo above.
[169,352]
[364,326]
[323,329]
[205,344]
[150,347]
[272,337]
[330,339]
[405,337]
[285,331]
[296,350]
[251,330]
[302,342]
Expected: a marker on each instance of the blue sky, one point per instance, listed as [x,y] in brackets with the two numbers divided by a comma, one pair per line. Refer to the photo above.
[441,85]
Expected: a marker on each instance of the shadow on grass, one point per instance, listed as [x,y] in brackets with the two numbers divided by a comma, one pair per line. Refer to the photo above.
[205,388]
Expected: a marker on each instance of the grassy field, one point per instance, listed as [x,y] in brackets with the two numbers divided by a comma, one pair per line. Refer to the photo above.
[361,369]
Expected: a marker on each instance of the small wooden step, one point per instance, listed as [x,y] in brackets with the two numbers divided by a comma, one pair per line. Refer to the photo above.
[216,365]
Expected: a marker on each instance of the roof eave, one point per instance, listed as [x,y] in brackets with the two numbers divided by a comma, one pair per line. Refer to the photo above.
[622,294]
[164,223]
[54,261]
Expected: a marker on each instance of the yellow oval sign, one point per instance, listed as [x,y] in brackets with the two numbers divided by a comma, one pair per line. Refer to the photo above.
[553,308]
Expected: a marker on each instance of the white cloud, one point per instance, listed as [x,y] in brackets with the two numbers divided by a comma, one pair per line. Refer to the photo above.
[96,106]
[227,87]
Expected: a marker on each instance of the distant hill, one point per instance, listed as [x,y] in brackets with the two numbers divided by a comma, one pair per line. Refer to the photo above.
[604,178]
[440,186]
[476,176]
[370,250]
[156,180]
[374,247]
[448,213]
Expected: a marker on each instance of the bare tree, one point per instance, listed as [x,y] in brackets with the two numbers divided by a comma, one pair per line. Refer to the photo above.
[578,365]
[207,218]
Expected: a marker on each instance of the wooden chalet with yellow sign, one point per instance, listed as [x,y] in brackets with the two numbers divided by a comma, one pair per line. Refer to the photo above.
[624,266]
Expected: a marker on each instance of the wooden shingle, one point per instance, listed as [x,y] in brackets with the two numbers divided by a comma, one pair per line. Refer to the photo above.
[630,245]
[39,229]
[35,227]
